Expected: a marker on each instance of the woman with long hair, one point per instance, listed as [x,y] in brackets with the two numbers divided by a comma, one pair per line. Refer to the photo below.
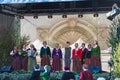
[32,53]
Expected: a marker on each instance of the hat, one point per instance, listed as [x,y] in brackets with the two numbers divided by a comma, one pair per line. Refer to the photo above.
[67,68]
[37,66]
[47,67]
[100,78]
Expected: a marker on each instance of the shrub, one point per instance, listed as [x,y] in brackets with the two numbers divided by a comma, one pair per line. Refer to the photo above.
[116,61]
[25,75]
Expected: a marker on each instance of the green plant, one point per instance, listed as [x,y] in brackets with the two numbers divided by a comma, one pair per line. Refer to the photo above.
[116,61]
[114,39]
[24,40]
[114,42]
[9,36]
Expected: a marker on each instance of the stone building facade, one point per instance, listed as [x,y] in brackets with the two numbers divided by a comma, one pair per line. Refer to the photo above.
[72,28]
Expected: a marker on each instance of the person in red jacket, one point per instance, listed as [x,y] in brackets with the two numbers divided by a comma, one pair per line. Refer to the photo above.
[86,74]
[77,57]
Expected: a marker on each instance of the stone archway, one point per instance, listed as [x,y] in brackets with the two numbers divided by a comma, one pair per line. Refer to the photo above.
[69,30]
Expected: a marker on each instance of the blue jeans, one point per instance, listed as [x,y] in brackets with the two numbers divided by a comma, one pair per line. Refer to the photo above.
[67,62]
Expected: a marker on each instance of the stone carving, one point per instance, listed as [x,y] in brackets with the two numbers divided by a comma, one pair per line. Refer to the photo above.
[72,23]
[68,30]
[43,34]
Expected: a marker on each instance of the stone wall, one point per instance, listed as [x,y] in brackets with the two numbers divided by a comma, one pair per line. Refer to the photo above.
[58,29]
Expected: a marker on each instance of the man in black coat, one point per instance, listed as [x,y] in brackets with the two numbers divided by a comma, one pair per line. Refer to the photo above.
[68,75]
[36,73]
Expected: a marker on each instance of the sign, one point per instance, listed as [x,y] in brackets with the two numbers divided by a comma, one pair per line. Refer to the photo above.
[31,1]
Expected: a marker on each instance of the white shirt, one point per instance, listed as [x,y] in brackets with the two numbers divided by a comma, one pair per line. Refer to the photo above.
[13,53]
[45,47]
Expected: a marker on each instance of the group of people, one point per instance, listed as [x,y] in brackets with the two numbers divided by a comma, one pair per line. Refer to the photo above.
[67,75]
[37,75]
[26,57]
[89,56]
[78,55]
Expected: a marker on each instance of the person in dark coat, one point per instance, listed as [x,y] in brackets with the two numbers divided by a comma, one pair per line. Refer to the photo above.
[45,54]
[84,51]
[88,55]
[68,75]
[36,73]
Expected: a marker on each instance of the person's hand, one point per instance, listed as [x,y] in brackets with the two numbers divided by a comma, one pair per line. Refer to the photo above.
[36,53]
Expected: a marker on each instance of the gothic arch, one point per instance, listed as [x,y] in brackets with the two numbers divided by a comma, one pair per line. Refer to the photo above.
[59,29]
